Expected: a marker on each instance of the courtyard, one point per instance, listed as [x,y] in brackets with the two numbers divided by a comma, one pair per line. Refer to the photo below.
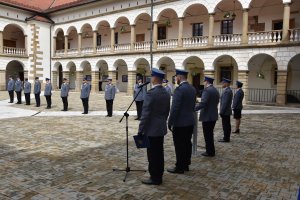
[48,154]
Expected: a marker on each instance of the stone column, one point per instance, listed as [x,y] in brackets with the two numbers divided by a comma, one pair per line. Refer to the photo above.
[79,43]
[180,32]
[66,74]
[95,81]
[112,74]
[54,80]
[54,46]
[26,45]
[286,22]
[243,77]
[112,39]
[95,33]
[209,73]
[281,87]
[155,36]
[131,82]
[2,80]
[132,40]
[66,45]
[245,27]
[1,42]
[211,29]
[79,77]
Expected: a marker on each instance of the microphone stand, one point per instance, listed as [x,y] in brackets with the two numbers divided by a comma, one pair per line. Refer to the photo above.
[126,115]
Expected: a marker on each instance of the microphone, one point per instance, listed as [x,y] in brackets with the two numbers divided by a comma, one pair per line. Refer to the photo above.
[144,84]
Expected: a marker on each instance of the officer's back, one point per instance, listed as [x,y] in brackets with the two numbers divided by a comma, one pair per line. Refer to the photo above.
[209,100]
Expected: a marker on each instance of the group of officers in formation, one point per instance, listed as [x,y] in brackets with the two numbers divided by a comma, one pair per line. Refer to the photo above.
[157,114]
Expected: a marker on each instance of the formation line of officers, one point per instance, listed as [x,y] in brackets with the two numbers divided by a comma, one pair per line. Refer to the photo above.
[157,116]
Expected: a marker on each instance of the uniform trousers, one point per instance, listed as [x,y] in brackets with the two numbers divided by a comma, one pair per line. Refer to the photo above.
[208,132]
[27,98]
[19,97]
[65,103]
[85,103]
[226,127]
[11,96]
[37,99]
[109,107]
[183,146]
[139,108]
[48,99]
[155,154]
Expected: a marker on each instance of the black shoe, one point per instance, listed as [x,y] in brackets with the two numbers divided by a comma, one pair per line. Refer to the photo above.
[84,113]
[222,140]
[10,102]
[237,131]
[64,110]
[151,182]
[137,118]
[37,106]
[207,155]
[175,170]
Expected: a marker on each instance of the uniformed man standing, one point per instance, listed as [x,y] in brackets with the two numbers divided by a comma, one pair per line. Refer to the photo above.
[167,87]
[48,93]
[11,88]
[37,91]
[27,91]
[153,124]
[181,121]
[209,114]
[18,90]
[225,109]
[139,97]
[85,94]
[110,92]
[237,106]
[64,93]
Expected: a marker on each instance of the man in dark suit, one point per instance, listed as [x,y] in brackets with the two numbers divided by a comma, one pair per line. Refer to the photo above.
[237,106]
[181,122]
[209,114]
[11,88]
[225,109]
[64,93]
[139,97]
[84,95]
[153,124]
[37,91]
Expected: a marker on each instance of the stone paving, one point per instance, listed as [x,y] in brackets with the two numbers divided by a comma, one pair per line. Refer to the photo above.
[64,157]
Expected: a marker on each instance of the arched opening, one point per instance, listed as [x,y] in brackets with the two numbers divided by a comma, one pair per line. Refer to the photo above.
[13,40]
[72,74]
[195,66]
[262,78]
[87,38]
[103,36]
[86,67]
[122,32]
[142,29]
[225,67]
[60,40]
[167,25]
[293,82]
[73,39]
[142,69]
[103,74]
[60,76]
[14,68]
[167,65]
[121,75]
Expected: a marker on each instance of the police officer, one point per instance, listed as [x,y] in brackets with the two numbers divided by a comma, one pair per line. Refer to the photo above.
[27,91]
[139,97]
[37,91]
[110,92]
[237,106]
[85,94]
[11,88]
[18,90]
[181,121]
[48,93]
[225,109]
[167,87]
[64,93]
[153,124]
[209,114]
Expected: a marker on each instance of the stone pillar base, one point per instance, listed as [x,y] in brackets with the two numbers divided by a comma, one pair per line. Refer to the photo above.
[243,77]
[131,82]
[281,87]
[95,81]
[54,80]
[79,77]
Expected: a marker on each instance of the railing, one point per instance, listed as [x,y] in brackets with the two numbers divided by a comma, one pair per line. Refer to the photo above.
[220,90]
[72,51]
[142,45]
[14,51]
[265,37]
[167,44]
[60,52]
[87,50]
[262,95]
[294,35]
[122,47]
[105,48]
[293,96]
[195,41]
[227,39]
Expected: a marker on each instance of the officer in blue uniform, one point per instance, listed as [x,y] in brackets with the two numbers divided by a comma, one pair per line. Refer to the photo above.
[64,93]
[37,91]
[181,121]
[18,90]
[139,97]
[27,91]
[11,88]
[237,106]
[225,109]
[153,124]
[48,93]
[84,95]
[209,114]
[110,93]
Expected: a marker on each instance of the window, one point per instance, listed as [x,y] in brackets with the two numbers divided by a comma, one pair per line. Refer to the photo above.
[227,27]
[225,72]
[99,37]
[162,33]
[197,29]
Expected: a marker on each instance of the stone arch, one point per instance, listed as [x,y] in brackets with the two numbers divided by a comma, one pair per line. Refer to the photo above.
[167,65]
[57,31]
[102,66]
[121,68]
[225,66]
[15,34]
[293,81]
[162,10]
[15,68]
[195,66]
